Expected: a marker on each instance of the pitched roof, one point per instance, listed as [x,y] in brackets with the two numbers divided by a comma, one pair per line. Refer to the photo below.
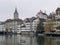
[10,20]
[41,13]
[33,18]
[58,9]
[27,20]
[30,19]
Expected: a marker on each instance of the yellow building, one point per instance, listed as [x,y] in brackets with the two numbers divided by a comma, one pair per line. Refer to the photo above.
[49,26]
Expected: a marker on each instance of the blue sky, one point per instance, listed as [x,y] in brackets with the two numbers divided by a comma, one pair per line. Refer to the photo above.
[26,8]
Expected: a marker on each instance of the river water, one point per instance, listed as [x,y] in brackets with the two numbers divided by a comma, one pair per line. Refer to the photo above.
[28,40]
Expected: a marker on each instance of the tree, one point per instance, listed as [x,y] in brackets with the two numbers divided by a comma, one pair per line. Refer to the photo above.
[58,27]
[40,27]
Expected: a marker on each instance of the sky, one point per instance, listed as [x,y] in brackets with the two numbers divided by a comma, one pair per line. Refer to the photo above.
[26,8]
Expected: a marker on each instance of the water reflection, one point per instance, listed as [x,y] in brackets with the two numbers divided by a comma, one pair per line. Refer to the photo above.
[19,40]
[50,41]
[28,40]
[40,40]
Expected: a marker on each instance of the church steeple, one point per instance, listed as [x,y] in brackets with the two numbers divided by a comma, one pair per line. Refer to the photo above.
[16,14]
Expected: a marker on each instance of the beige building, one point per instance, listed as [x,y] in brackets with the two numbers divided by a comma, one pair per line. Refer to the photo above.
[53,21]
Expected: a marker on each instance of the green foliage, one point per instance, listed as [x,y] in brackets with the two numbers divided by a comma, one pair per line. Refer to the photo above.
[58,27]
[40,27]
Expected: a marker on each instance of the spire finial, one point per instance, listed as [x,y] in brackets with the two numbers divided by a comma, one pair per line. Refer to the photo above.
[15,8]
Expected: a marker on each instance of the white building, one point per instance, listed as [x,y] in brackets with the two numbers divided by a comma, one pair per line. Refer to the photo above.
[41,15]
[21,27]
[15,25]
[27,27]
[12,24]
[57,19]
[2,27]
[31,23]
[35,23]
[27,24]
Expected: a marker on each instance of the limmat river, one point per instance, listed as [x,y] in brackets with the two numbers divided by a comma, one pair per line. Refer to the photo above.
[28,40]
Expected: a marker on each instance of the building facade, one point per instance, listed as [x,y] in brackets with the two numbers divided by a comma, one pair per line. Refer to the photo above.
[12,24]
[53,21]
[2,27]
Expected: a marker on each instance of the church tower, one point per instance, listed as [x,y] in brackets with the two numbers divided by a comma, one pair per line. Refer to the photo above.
[16,14]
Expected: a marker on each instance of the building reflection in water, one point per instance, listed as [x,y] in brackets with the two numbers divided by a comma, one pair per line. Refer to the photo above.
[19,40]
[40,40]
[50,41]
[28,40]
